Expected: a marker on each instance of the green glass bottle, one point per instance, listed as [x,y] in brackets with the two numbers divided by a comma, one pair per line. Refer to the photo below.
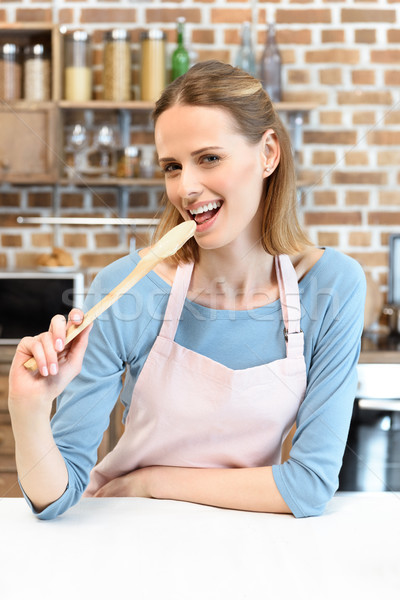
[180,56]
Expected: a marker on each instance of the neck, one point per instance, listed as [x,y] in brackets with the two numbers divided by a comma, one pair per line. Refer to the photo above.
[234,280]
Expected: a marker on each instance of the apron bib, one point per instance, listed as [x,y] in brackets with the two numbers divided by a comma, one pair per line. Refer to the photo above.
[188,410]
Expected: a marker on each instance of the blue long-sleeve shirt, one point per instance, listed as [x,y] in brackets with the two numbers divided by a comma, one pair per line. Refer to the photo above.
[332,301]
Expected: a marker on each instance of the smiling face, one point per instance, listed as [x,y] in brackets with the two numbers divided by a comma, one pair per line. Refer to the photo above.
[212,174]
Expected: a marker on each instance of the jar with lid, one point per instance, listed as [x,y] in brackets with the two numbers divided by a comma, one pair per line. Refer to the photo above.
[117,66]
[36,73]
[153,64]
[77,66]
[10,72]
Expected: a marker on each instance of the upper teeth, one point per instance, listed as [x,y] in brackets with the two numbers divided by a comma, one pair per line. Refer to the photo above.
[205,208]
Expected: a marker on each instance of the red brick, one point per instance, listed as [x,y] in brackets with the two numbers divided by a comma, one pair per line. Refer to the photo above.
[330,137]
[356,157]
[384,218]
[385,56]
[203,36]
[330,76]
[12,241]
[230,15]
[324,158]
[298,76]
[358,15]
[385,138]
[389,157]
[333,55]
[359,177]
[392,117]
[324,197]
[40,199]
[33,15]
[42,240]
[288,36]
[75,240]
[392,77]
[332,36]
[389,197]
[365,97]
[364,118]
[357,198]
[108,15]
[363,77]
[307,16]
[371,259]
[328,238]
[9,199]
[359,238]
[393,36]
[330,117]
[332,218]
[365,36]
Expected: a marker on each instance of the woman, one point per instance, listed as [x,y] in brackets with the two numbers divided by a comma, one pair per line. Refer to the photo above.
[218,366]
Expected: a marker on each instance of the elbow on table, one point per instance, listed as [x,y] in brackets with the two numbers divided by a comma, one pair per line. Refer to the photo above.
[306,495]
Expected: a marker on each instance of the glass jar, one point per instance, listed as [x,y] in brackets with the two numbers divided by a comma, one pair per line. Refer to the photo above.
[36,73]
[10,72]
[128,162]
[117,66]
[77,66]
[153,64]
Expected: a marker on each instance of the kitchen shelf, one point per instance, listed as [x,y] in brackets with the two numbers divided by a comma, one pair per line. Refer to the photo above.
[137,222]
[113,182]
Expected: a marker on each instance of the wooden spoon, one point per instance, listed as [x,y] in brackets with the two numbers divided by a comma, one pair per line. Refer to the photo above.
[167,246]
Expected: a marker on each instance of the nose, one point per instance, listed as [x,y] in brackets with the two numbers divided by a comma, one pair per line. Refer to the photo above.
[190,187]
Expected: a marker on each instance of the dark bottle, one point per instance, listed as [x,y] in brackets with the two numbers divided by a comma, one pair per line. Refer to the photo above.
[245,58]
[180,56]
[270,67]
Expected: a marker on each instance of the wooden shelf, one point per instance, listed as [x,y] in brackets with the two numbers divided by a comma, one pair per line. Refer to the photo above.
[135,105]
[113,182]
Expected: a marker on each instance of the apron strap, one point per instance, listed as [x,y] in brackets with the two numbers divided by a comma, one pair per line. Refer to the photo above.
[176,300]
[290,303]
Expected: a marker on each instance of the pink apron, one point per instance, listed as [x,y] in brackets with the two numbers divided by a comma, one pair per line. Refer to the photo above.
[188,410]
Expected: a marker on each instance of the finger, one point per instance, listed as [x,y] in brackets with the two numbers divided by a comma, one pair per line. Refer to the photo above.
[50,353]
[58,328]
[75,317]
[39,355]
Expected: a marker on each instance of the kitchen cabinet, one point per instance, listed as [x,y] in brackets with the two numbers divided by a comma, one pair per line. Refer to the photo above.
[9,487]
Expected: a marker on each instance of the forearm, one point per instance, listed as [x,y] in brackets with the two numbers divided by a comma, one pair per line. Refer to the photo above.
[251,489]
[40,465]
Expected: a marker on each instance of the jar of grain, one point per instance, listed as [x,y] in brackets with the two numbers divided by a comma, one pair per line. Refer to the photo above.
[117,66]
[128,161]
[10,72]
[36,73]
[153,73]
[77,66]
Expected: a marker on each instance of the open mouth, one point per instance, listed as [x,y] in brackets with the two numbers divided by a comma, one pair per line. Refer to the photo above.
[205,212]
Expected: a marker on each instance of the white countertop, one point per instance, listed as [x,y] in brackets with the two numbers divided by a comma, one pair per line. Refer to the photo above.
[165,550]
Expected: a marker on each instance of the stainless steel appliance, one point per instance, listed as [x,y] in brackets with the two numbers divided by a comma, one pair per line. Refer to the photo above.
[29,299]
[372,458]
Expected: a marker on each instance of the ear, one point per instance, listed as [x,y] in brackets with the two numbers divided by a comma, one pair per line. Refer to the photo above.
[270,152]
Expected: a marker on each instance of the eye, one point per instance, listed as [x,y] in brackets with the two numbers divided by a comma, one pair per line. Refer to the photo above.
[169,168]
[210,159]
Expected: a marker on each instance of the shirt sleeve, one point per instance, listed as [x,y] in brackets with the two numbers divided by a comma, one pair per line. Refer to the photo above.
[83,409]
[309,478]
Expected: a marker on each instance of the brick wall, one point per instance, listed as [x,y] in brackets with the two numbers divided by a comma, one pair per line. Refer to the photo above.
[343,54]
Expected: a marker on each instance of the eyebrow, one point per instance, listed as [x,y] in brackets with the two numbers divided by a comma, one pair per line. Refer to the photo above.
[195,153]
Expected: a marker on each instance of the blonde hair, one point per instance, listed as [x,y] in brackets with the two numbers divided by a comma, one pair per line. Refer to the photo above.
[219,85]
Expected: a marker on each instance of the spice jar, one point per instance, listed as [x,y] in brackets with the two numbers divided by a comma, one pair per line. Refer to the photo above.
[36,73]
[128,161]
[77,67]
[117,66]
[153,66]
[10,72]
